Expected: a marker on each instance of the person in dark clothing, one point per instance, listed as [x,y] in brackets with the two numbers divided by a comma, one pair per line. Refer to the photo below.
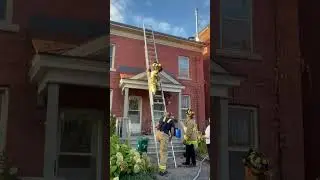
[164,135]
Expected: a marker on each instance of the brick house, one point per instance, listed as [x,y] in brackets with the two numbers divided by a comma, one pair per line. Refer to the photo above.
[258,41]
[53,87]
[182,76]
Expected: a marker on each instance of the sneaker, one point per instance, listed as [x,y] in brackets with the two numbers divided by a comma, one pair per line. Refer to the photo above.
[163,173]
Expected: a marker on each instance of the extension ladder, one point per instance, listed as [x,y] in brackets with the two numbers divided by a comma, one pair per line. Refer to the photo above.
[157,99]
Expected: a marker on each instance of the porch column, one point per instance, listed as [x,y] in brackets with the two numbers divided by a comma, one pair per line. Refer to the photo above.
[126,102]
[125,129]
[223,157]
[179,106]
[50,147]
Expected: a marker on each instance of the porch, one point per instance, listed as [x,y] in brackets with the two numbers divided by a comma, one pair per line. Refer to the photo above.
[72,89]
[137,106]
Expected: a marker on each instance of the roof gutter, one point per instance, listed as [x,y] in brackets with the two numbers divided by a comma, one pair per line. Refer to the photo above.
[140,30]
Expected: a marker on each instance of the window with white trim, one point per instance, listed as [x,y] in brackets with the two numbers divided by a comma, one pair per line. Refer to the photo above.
[185,105]
[112,56]
[184,67]
[236,25]
[111,95]
[242,135]
[158,110]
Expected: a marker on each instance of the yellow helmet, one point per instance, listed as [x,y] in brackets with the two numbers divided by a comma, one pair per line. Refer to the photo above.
[190,113]
[154,65]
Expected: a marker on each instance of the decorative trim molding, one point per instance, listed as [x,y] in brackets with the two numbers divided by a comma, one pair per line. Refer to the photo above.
[164,74]
[159,41]
[5,26]
[138,84]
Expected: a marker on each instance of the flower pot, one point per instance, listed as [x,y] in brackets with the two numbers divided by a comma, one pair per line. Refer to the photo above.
[248,175]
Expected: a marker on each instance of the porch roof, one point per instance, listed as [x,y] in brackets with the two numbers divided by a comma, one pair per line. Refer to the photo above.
[139,81]
[58,62]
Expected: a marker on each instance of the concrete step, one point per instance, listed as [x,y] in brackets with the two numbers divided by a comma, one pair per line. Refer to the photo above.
[151,139]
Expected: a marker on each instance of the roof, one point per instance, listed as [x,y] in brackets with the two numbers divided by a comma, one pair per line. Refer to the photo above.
[54,47]
[156,33]
[204,29]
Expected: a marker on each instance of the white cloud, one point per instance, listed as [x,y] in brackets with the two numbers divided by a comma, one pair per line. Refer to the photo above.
[118,10]
[160,26]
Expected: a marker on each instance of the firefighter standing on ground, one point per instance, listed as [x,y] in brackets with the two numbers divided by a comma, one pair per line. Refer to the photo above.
[164,135]
[190,139]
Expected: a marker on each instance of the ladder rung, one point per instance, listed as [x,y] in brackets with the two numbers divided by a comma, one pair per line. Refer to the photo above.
[157,97]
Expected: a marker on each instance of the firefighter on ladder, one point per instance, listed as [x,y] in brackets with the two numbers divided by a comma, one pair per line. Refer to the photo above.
[190,138]
[153,74]
[165,130]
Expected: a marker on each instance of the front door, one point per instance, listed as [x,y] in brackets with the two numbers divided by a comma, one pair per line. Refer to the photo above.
[134,114]
[79,146]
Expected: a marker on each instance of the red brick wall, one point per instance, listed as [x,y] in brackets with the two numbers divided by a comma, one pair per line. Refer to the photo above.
[25,129]
[130,52]
[258,90]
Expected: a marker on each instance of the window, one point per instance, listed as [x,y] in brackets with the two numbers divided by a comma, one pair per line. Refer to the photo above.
[242,134]
[3,117]
[185,105]
[236,32]
[112,55]
[183,67]
[6,11]
[3,9]
[111,95]
[158,111]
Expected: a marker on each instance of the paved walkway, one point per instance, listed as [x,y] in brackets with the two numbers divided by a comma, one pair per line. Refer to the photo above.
[187,173]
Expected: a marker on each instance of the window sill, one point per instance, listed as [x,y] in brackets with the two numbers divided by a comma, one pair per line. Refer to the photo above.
[5,26]
[184,78]
[238,54]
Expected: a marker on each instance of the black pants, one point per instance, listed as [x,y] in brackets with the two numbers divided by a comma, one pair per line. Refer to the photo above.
[208,150]
[190,154]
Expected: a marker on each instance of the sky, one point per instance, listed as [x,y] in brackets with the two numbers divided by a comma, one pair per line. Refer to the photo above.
[174,17]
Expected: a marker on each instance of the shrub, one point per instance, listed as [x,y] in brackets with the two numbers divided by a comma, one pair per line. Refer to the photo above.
[125,160]
[202,146]
[113,121]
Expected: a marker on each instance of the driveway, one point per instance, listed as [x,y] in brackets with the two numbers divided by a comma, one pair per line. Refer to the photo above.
[187,173]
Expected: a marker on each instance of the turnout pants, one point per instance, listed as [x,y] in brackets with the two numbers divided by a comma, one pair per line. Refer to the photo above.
[164,140]
[190,154]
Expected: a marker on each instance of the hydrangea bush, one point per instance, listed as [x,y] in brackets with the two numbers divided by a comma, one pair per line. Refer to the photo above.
[256,162]
[125,160]
[113,121]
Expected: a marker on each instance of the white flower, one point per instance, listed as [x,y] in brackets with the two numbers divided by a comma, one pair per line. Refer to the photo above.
[119,157]
[13,170]
[116,178]
[138,161]
[136,168]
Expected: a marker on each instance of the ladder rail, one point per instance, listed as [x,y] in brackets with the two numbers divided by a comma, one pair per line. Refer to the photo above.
[150,93]
[151,98]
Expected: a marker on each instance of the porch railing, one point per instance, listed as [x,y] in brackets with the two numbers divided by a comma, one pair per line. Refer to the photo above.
[123,126]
